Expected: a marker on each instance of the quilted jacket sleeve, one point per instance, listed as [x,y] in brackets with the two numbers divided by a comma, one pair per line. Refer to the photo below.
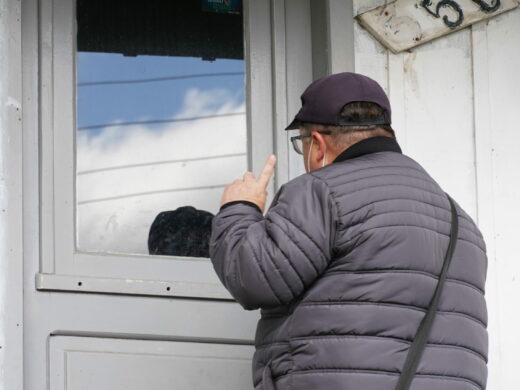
[266,262]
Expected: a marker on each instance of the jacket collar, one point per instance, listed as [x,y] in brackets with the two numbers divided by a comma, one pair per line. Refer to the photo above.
[369,145]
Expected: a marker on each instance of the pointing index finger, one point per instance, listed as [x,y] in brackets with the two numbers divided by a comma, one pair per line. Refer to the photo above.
[268,170]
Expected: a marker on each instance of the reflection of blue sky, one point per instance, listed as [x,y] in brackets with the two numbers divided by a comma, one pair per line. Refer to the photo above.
[101,104]
[127,174]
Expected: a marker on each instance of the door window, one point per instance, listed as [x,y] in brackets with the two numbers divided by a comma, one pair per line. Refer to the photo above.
[160,123]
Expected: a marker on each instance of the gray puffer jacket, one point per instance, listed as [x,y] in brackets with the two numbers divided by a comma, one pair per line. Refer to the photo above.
[344,265]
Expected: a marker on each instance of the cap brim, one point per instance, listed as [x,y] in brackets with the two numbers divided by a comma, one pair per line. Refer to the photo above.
[295,124]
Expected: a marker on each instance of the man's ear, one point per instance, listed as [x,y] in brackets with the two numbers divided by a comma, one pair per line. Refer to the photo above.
[320,142]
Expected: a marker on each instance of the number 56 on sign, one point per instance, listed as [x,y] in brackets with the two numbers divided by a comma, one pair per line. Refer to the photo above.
[404,24]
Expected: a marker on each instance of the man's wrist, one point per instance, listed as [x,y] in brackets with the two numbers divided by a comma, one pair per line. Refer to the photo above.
[246,202]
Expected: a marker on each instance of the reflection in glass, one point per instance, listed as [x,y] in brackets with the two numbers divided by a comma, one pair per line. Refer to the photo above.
[160,115]
[181,232]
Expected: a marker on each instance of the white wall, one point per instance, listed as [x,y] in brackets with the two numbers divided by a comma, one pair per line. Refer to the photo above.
[11,269]
[455,102]
[498,106]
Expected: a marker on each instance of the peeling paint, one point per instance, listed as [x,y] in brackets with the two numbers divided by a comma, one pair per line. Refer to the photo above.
[13,103]
[410,71]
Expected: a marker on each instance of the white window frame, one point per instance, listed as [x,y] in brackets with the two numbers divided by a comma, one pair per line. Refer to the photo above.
[62,267]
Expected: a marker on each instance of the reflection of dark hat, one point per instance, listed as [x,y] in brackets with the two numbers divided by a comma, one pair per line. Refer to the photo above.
[324,99]
[181,232]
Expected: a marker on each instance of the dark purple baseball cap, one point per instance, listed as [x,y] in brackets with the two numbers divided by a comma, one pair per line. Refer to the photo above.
[324,99]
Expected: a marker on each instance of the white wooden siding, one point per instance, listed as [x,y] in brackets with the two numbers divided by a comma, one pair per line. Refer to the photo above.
[502,77]
[455,105]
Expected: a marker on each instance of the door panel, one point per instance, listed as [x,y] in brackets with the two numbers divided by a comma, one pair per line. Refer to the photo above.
[85,363]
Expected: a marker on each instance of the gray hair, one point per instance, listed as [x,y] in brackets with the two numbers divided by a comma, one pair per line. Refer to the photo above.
[344,136]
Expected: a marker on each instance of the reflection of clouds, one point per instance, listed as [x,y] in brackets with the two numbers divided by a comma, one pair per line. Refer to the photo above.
[173,165]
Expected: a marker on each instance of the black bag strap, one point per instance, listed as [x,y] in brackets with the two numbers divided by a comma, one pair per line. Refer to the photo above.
[417,348]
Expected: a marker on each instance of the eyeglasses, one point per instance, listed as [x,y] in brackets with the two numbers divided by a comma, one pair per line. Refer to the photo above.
[297,142]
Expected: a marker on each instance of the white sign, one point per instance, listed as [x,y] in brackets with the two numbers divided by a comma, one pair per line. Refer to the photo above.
[404,24]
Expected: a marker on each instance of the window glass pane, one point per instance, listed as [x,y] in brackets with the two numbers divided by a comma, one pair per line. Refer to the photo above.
[160,121]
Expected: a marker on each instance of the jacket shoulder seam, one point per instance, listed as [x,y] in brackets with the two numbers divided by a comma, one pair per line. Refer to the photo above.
[336,211]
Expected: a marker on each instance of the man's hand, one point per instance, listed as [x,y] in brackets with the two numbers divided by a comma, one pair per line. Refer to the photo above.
[249,188]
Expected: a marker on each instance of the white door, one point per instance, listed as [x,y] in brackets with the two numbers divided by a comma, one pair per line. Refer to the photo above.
[133,109]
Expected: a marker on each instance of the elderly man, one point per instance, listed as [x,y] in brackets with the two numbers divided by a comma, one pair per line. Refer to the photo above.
[367,275]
